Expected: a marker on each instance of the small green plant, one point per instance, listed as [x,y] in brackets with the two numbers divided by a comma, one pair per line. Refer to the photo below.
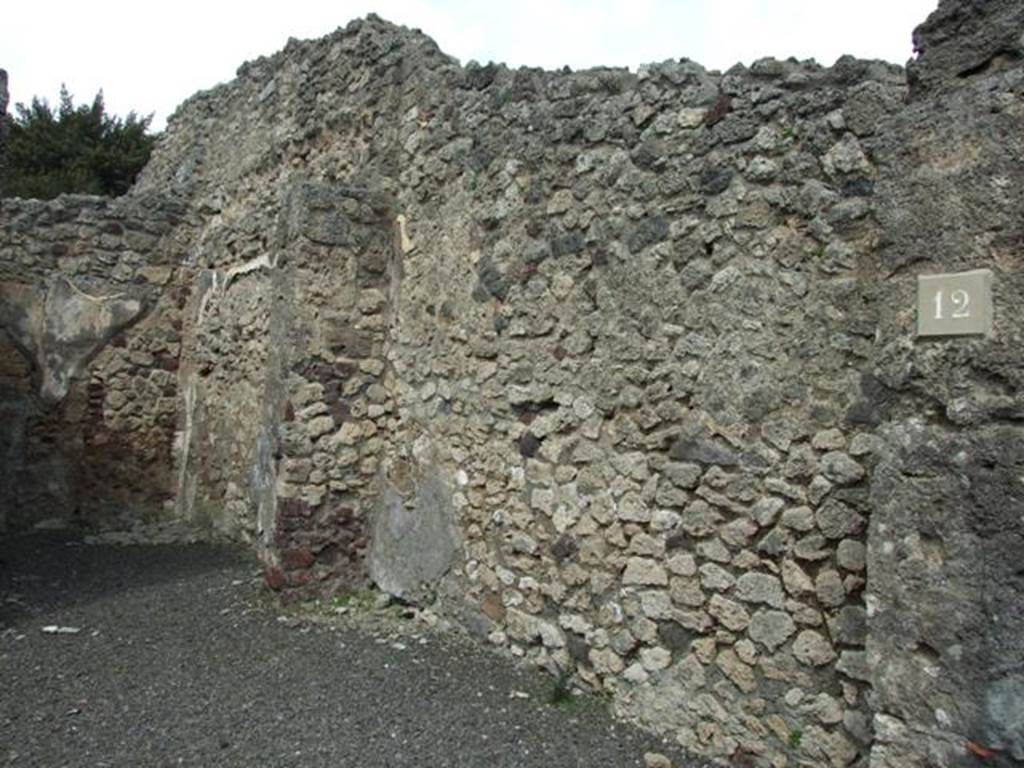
[795,737]
[561,690]
[353,600]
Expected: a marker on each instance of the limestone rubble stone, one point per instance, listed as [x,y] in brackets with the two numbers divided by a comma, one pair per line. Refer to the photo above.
[811,647]
[621,367]
[771,628]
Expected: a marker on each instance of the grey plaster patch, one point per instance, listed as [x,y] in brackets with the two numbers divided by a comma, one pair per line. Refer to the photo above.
[64,328]
[1004,706]
[413,540]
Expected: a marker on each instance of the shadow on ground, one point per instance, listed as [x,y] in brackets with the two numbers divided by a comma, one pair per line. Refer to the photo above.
[47,571]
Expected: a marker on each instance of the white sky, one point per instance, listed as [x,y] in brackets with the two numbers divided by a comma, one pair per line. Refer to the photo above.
[149,57]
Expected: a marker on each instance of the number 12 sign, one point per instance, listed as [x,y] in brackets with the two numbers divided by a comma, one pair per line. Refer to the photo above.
[958,304]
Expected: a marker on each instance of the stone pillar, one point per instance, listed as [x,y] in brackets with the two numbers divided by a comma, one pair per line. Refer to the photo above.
[947,633]
[11,353]
[962,39]
[4,100]
[945,650]
[4,95]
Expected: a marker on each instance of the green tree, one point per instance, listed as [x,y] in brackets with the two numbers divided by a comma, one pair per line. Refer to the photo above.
[73,149]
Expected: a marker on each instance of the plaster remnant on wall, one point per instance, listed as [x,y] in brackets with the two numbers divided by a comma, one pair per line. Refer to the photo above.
[185,495]
[414,541]
[64,328]
[404,242]
[263,261]
[683,445]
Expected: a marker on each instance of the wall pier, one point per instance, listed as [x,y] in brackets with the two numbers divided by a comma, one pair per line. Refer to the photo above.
[620,368]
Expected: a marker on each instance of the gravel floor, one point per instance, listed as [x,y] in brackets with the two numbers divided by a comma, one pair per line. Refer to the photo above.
[179,661]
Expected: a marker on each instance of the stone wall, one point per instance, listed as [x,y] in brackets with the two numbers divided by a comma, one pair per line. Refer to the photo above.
[619,368]
[945,649]
[88,388]
[641,391]
[283,377]
[4,100]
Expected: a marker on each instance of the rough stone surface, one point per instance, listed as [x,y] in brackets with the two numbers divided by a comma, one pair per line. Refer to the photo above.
[771,628]
[617,368]
[946,635]
[962,40]
[641,570]
[4,100]
[812,648]
[760,588]
[89,393]
[942,666]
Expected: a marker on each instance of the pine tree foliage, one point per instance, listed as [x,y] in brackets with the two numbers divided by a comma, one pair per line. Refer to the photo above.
[78,149]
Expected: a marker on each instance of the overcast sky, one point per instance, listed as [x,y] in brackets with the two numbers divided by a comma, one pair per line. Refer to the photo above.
[149,57]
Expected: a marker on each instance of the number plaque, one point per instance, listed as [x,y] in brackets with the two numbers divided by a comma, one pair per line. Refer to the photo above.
[958,304]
